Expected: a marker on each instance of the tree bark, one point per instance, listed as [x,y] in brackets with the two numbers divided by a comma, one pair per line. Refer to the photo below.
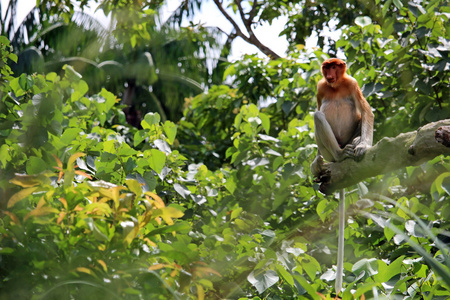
[389,154]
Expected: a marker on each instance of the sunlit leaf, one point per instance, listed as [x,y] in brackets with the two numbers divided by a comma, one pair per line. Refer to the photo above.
[30,180]
[363,21]
[73,159]
[41,211]
[103,264]
[159,203]
[12,216]
[285,274]
[157,160]
[262,279]
[171,131]
[182,190]
[84,270]
[20,196]
[369,266]
[134,186]
[150,119]
[168,213]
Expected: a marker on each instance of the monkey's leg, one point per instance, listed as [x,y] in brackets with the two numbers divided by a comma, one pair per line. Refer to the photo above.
[326,141]
[340,255]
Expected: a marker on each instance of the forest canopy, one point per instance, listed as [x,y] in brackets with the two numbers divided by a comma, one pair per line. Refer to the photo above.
[138,162]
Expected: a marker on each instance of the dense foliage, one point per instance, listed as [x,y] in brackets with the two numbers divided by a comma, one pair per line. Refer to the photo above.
[222,204]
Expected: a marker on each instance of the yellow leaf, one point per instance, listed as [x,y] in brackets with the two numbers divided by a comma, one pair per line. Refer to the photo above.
[73,159]
[64,202]
[41,202]
[30,180]
[174,273]
[130,230]
[207,270]
[200,292]
[103,264]
[40,211]
[149,242]
[156,267]
[112,193]
[84,270]
[167,213]
[83,174]
[159,202]
[13,217]
[61,217]
[134,186]
[20,195]
[58,161]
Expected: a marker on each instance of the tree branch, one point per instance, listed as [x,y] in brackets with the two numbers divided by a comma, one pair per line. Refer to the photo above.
[251,39]
[389,154]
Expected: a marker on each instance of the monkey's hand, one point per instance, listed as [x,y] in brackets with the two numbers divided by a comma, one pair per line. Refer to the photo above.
[360,149]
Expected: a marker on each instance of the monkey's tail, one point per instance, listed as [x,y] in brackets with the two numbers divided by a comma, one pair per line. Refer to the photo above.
[340,257]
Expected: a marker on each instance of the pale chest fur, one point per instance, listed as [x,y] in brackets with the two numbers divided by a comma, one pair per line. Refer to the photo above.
[343,116]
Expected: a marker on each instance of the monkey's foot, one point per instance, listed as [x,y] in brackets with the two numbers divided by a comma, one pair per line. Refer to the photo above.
[321,172]
[318,166]
[348,151]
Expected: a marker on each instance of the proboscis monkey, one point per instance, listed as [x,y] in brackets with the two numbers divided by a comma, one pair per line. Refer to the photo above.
[343,129]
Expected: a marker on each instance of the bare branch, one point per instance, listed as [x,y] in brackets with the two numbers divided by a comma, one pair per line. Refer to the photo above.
[253,10]
[251,39]
[247,22]
[389,154]
[230,19]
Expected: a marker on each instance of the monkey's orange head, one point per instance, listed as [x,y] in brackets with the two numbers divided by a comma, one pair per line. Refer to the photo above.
[333,70]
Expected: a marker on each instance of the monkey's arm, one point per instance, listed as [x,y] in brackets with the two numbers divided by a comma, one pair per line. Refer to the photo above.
[366,122]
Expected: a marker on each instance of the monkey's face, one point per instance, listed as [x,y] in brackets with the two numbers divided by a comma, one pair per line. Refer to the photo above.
[331,73]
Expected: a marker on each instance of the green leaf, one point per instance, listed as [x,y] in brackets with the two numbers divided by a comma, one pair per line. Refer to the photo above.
[81,87]
[235,213]
[139,137]
[110,98]
[71,74]
[385,272]
[398,4]
[171,131]
[13,57]
[231,70]
[69,135]
[231,184]
[126,150]
[150,119]
[311,266]
[150,180]
[4,40]
[265,122]
[285,274]
[302,281]
[180,226]
[157,160]
[17,89]
[36,165]
[5,157]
